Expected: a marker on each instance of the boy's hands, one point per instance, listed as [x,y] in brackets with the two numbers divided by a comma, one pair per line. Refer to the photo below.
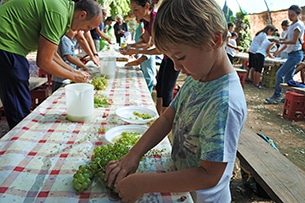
[116,170]
[130,188]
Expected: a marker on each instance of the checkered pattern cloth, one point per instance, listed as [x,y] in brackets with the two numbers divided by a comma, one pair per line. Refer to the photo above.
[40,155]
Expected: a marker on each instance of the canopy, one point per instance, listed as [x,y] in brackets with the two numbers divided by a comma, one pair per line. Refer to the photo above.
[258,6]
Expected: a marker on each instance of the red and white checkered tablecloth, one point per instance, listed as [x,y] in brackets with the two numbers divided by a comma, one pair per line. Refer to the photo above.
[40,155]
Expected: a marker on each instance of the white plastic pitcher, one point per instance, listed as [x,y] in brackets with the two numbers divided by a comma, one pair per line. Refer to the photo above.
[80,101]
[108,66]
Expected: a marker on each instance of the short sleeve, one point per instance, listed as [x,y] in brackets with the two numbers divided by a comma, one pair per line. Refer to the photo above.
[54,26]
[65,46]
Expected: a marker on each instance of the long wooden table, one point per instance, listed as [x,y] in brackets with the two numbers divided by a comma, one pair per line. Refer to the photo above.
[40,155]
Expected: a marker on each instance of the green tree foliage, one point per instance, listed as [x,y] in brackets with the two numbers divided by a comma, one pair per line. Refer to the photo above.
[242,27]
[115,7]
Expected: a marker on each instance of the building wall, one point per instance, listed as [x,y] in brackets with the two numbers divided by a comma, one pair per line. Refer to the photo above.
[259,21]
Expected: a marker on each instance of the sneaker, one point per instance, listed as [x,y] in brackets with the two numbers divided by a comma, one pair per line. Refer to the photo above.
[282,100]
[248,81]
[274,99]
[257,86]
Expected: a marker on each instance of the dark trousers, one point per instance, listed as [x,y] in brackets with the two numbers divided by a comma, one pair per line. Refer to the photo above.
[231,58]
[166,81]
[14,87]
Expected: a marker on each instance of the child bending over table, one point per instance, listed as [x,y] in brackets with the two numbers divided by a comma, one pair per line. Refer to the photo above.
[206,116]
[66,50]
[260,55]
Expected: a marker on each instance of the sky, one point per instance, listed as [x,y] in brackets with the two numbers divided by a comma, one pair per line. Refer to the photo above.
[258,6]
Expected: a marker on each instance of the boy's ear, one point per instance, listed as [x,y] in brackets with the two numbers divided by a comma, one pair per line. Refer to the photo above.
[218,41]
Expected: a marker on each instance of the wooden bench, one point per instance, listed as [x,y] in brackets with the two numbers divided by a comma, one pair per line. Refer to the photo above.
[285,86]
[279,177]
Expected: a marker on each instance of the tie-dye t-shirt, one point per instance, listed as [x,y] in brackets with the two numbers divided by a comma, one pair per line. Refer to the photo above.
[208,120]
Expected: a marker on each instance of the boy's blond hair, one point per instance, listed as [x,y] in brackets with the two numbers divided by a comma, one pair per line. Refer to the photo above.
[188,22]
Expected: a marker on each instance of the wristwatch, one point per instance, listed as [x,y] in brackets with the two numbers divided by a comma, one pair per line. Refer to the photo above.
[95,54]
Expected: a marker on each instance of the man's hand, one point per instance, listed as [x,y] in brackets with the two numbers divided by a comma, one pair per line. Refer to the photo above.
[80,76]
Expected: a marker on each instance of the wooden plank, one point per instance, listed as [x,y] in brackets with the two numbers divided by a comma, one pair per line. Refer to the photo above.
[296,89]
[279,177]
[240,70]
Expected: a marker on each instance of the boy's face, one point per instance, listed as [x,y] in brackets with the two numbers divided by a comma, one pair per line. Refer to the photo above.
[192,61]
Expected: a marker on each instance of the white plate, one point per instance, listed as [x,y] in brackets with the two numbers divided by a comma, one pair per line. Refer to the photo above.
[126,114]
[114,133]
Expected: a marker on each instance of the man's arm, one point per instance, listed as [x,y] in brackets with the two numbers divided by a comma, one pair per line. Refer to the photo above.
[48,60]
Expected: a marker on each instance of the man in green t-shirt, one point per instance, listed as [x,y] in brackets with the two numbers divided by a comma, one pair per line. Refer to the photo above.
[30,25]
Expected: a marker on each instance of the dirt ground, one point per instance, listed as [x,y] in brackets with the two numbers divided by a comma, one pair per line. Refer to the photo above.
[289,136]
[263,118]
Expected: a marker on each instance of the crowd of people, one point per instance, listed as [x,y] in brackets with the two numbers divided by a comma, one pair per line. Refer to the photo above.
[207,114]
[268,43]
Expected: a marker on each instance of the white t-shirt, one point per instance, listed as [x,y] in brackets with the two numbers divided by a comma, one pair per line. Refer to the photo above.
[283,36]
[284,33]
[264,46]
[298,46]
[257,41]
[208,120]
[230,50]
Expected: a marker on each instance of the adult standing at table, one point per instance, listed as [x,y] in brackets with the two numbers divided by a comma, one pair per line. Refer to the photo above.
[98,33]
[167,75]
[120,28]
[293,45]
[30,25]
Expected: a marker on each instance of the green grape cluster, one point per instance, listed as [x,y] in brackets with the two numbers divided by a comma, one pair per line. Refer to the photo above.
[101,101]
[102,155]
[82,179]
[99,83]
[142,115]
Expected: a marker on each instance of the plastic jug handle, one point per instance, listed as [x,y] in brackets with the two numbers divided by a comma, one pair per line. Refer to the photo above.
[80,94]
